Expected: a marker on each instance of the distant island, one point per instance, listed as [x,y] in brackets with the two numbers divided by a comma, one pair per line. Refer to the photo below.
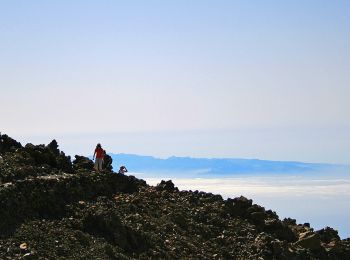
[213,166]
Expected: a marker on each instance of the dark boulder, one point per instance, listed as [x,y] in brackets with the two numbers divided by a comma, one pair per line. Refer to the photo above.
[258,217]
[64,163]
[107,163]
[167,185]
[279,230]
[82,162]
[238,206]
[8,144]
[49,155]
[289,221]
[309,240]
[257,214]
[328,234]
[53,147]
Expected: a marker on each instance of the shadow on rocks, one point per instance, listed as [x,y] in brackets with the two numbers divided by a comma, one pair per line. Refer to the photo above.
[108,225]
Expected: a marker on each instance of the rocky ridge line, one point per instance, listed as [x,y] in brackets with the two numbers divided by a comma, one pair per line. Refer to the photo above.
[54,208]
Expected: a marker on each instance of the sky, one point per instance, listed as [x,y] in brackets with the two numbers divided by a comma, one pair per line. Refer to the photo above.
[247,79]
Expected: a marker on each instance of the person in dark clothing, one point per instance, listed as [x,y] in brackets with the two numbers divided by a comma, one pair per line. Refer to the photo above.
[122,170]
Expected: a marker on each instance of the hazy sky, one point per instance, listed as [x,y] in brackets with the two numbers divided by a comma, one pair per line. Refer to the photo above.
[263,79]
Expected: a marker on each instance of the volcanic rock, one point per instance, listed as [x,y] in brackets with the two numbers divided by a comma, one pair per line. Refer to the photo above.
[310,241]
[328,234]
[54,209]
[8,144]
[82,162]
[107,163]
[167,186]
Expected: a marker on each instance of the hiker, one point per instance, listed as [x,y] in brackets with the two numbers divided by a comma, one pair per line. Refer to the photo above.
[122,169]
[99,153]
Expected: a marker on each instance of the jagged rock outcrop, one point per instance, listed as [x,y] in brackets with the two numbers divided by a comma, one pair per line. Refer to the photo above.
[54,209]
[167,185]
[107,162]
[83,163]
[8,144]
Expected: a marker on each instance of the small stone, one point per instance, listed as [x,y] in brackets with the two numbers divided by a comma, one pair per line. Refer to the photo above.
[23,246]
[27,254]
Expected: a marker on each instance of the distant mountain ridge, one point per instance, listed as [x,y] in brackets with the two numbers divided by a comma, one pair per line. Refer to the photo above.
[209,166]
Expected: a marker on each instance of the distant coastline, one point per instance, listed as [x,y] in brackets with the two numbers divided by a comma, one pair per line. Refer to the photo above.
[202,167]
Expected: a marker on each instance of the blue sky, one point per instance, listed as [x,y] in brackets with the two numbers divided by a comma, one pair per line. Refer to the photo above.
[253,79]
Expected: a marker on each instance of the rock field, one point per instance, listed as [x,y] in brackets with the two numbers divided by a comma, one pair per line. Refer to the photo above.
[53,208]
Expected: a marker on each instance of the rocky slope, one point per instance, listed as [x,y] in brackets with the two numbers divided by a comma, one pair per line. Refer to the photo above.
[52,208]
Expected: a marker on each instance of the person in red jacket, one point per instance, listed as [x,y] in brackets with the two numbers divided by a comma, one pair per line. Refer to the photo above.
[99,153]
